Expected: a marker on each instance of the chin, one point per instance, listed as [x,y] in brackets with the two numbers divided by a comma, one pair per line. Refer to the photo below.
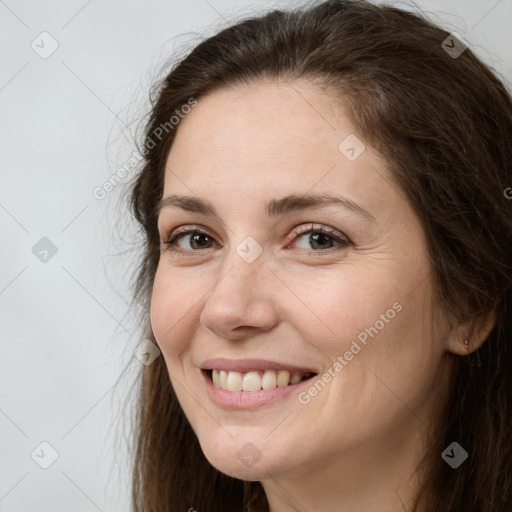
[246,460]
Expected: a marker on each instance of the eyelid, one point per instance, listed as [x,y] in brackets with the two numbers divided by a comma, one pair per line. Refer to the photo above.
[321,228]
[339,237]
[187,229]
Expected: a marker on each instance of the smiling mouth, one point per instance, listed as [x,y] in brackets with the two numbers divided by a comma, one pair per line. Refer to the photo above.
[256,380]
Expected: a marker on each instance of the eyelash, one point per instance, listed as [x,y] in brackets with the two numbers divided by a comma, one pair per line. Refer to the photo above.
[337,237]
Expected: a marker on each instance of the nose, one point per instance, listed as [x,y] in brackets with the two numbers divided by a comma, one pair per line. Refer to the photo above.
[242,302]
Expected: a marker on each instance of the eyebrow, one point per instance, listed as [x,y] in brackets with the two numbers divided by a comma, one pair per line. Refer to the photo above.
[273,208]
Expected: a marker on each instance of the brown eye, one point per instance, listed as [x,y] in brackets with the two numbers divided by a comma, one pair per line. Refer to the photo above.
[321,239]
[194,240]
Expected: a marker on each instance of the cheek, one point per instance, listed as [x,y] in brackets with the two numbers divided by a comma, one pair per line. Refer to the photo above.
[333,307]
[388,356]
[171,311]
[375,321]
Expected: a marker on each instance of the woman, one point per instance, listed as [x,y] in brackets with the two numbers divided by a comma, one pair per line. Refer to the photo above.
[327,271]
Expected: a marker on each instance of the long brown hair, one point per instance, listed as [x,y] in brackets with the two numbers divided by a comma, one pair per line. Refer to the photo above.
[443,122]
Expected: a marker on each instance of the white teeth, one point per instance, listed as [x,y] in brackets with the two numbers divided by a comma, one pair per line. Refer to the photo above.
[223,378]
[295,378]
[255,380]
[252,382]
[283,378]
[234,382]
[268,381]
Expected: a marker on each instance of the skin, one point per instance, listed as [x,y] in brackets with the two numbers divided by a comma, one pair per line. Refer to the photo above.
[354,446]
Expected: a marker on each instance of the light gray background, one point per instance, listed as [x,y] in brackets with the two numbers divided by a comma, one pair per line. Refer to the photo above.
[66,333]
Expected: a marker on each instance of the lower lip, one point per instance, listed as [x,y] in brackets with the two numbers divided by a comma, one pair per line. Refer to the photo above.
[248,399]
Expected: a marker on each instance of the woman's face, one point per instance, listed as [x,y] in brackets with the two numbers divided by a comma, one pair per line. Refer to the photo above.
[258,290]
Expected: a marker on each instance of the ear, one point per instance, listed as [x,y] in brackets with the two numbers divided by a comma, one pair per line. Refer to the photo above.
[469,336]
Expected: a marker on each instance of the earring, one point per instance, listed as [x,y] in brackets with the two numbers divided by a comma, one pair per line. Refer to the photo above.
[466,344]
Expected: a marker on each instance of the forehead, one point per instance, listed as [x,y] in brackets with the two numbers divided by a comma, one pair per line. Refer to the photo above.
[261,127]
[249,144]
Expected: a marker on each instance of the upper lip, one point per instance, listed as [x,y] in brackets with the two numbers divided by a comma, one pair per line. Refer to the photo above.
[247,365]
